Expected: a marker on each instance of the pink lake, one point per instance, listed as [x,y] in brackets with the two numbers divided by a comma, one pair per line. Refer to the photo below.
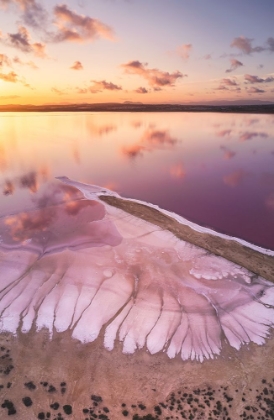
[214,169]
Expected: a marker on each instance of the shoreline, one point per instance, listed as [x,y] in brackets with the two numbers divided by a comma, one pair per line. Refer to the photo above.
[257,262]
[136,107]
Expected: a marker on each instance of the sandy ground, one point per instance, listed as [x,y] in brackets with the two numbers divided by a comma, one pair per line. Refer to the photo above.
[87,381]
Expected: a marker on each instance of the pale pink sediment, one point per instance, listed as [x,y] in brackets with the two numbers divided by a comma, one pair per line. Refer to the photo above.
[94,266]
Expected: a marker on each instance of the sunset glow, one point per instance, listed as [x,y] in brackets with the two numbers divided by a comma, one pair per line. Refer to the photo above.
[157,51]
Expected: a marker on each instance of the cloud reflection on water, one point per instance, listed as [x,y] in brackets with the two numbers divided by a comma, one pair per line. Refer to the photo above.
[203,150]
[150,141]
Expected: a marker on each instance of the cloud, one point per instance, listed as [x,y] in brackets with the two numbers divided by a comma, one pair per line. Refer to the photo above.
[248,135]
[31,64]
[22,41]
[207,57]
[99,86]
[10,97]
[39,49]
[141,90]
[255,90]
[77,66]
[245,45]
[184,51]
[270,44]
[222,87]
[4,60]
[235,178]
[73,27]
[256,79]
[82,91]
[9,77]
[234,64]
[228,84]
[156,78]
[33,13]
[58,91]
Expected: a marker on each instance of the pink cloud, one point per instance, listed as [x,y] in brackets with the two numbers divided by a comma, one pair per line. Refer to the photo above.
[9,77]
[141,90]
[270,44]
[245,45]
[234,64]
[229,84]
[21,40]
[255,90]
[4,60]
[77,66]
[33,13]
[256,79]
[99,86]
[222,87]
[58,91]
[31,64]
[184,51]
[74,27]
[82,91]
[156,78]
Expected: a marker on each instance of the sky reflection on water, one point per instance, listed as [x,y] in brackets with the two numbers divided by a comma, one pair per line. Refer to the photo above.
[214,169]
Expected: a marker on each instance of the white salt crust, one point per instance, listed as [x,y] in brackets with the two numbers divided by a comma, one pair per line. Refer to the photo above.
[148,290]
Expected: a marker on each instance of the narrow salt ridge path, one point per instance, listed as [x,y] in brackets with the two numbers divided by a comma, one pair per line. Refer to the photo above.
[199,228]
[94,191]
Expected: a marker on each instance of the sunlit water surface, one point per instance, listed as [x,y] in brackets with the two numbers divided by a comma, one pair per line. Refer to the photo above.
[214,169]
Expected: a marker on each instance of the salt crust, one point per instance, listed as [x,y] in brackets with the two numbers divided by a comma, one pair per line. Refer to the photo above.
[148,290]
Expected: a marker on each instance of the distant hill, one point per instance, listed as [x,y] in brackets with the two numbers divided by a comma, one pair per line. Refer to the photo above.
[130,102]
[237,102]
[221,106]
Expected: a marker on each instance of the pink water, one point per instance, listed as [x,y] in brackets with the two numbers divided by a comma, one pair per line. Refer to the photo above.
[214,169]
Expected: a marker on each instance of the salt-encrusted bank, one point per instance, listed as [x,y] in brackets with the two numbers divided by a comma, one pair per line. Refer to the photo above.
[84,265]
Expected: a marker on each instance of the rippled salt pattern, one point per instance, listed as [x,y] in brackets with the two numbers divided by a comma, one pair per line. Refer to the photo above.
[78,264]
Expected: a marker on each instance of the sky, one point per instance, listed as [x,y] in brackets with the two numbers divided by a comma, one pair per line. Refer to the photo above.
[150,51]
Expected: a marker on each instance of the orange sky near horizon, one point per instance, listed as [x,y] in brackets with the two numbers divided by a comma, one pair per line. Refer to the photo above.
[152,52]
